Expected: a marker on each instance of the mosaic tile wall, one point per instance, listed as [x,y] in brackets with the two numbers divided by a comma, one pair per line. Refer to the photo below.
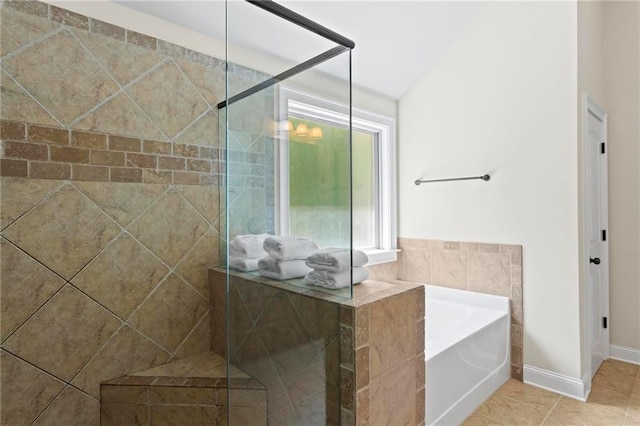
[109,211]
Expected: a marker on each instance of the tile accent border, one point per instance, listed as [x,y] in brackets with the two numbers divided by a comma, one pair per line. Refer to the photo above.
[484,268]
[41,152]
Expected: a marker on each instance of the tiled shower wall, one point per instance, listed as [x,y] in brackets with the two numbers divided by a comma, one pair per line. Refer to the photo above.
[98,280]
[287,341]
[109,209]
[483,268]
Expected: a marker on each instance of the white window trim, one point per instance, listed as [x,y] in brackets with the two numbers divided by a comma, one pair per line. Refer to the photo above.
[314,108]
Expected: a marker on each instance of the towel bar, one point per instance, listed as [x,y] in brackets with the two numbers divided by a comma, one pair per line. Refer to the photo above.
[483,177]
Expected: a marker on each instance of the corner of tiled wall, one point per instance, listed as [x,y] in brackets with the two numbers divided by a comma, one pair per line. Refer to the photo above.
[382,360]
[484,268]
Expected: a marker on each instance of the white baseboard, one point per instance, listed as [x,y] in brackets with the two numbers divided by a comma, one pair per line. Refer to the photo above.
[623,353]
[558,383]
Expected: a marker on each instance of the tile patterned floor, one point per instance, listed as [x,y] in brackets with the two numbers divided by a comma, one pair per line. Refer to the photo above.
[614,400]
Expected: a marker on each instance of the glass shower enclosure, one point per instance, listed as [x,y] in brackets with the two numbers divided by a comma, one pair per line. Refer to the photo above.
[285,158]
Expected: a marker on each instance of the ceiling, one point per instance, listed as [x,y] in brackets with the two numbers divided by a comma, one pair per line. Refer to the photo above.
[396,41]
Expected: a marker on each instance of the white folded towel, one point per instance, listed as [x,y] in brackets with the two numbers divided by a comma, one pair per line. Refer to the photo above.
[248,246]
[336,259]
[336,280]
[243,264]
[289,248]
[281,270]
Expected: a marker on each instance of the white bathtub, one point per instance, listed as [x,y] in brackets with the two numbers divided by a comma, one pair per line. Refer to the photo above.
[467,349]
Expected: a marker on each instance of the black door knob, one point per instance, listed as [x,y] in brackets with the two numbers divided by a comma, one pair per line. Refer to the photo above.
[595,260]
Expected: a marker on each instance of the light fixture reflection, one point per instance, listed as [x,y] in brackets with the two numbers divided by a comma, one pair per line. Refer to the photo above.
[285,126]
[315,133]
[302,130]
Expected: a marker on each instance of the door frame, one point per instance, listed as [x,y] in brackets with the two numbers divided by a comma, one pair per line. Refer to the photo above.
[589,106]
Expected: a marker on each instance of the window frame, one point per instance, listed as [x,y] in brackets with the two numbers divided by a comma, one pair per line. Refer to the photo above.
[309,107]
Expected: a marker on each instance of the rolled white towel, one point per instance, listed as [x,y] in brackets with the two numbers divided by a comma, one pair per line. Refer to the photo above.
[289,248]
[336,280]
[243,264]
[248,246]
[336,259]
[281,270]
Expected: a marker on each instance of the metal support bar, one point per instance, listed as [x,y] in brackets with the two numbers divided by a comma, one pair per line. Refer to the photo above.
[296,18]
[483,177]
[310,63]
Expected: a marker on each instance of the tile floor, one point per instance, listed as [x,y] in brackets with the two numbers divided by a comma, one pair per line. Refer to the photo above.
[614,400]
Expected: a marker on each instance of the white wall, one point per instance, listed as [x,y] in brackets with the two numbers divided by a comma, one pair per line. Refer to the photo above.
[503,101]
[591,81]
[621,59]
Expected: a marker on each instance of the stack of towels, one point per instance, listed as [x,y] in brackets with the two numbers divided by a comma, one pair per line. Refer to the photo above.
[245,250]
[332,267]
[285,258]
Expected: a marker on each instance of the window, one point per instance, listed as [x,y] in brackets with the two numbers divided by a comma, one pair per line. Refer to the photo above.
[312,188]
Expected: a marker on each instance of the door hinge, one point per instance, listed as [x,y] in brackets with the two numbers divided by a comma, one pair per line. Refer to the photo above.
[604,322]
[604,235]
[602,149]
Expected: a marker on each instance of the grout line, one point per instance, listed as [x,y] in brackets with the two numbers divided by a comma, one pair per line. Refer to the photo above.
[184,279]
[172,59]
[123,232]
[190,333]
[46,301]
[65,383]
[124,88]
[171,269]
[188,126]
[145,74]
[33,42]
[46,196]
[93,109]
[194,207]
[104,345]
[550,410]
[33,98]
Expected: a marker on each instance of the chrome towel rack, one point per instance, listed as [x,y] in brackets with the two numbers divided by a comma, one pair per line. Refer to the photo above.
[483,177]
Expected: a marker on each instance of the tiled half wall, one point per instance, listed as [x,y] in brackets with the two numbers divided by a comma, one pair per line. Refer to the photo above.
[325,359]
[484,268]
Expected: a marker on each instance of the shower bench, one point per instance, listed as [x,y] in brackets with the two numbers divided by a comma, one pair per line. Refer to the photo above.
[193,390]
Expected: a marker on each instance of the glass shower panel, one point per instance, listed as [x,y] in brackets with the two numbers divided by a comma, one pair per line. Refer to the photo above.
[283,343]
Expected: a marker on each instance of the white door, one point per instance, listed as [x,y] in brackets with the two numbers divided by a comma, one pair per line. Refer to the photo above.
[596,227]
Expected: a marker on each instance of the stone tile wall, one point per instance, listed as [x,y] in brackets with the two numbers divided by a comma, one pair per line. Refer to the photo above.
[110,167]
[326,359]
[85,100]
[382,356]
[287,341]
[98,280]
[484,268]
